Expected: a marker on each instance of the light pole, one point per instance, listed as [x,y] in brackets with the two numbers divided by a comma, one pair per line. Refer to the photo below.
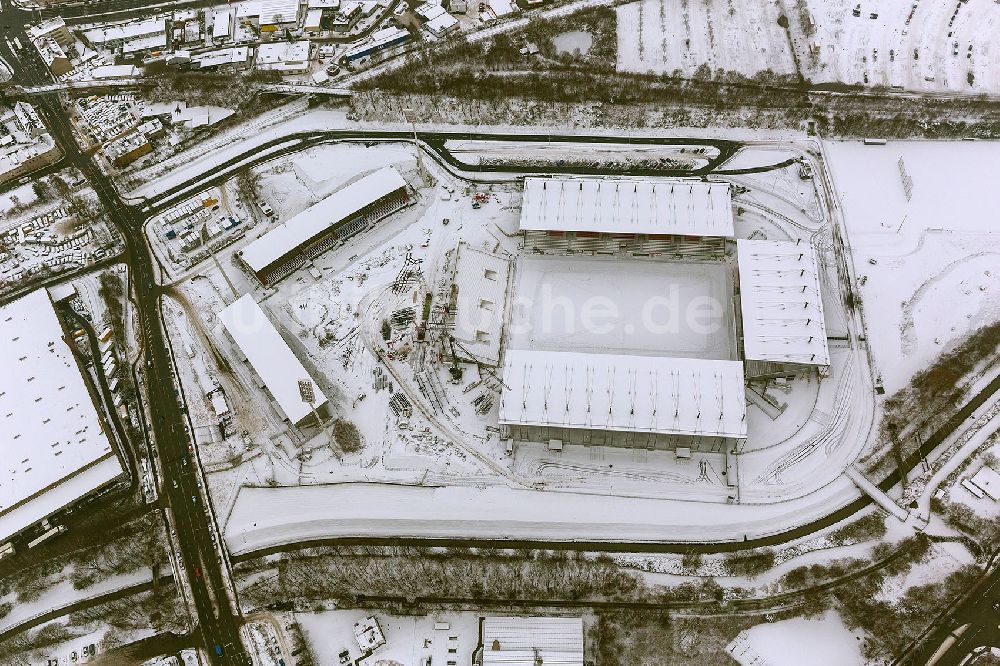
[408,117]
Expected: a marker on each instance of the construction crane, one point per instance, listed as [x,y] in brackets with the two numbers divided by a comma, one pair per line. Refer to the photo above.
[455,369]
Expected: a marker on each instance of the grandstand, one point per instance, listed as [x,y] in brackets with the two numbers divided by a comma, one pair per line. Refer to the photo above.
[287,247]
[783,326]
[678,218]
[617,400]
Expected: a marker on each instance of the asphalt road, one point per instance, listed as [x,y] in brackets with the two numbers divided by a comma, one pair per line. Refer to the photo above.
[975,608]
[435,141]
[218,620]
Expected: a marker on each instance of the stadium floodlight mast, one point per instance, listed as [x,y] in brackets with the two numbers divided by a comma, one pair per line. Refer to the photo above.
[408,116]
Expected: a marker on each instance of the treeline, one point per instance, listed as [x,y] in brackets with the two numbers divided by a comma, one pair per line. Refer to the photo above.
[935,393]
[494,575]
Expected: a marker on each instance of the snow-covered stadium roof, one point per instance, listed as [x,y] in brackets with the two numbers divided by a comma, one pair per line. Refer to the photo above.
[527,641]
[481,279]
[629,206]
[54,449]
[680,396]
[781,302]
[270,356]
[319,217]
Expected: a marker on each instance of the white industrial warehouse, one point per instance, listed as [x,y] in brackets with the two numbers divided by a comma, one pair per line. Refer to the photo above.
[530,641]
[56,449]
[272,360]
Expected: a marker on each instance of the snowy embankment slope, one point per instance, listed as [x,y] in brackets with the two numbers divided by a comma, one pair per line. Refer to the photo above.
[63,594]
[921,225]
[269,517]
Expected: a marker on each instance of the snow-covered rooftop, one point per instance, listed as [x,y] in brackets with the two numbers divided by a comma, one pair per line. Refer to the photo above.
[664,395]
[156,25]
[54,448]
[282,55]
[114,72]
[781,302]
[270,356]
[632,206]
[273,12]
[481,279]
[526,641]
[319,217]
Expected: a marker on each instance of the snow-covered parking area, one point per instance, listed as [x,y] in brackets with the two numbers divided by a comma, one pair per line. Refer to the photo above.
[919,45]
[912,253]
[663,36]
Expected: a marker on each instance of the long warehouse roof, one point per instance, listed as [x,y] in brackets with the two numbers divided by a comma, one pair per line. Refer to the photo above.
[628,206]
[270,356]
[527,641]
[680,396]
[54,450]
[319,217]
[781,302]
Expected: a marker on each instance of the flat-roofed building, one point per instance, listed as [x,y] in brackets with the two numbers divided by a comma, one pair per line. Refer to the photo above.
[782,325]
[314,20]
[272,360]
[222,26]
[531,641]
[442,24]
[115,72]
[284,57]
[479,297]
[276,14]
[618,400]
[682,218]
[234,56]
[113,36]
[380,40]
[347,211]
[56,450]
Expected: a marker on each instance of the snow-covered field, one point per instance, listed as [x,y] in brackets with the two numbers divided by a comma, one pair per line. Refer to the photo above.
[664,36]
[909,44]
[607,305]
[824,641]
[940,245]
